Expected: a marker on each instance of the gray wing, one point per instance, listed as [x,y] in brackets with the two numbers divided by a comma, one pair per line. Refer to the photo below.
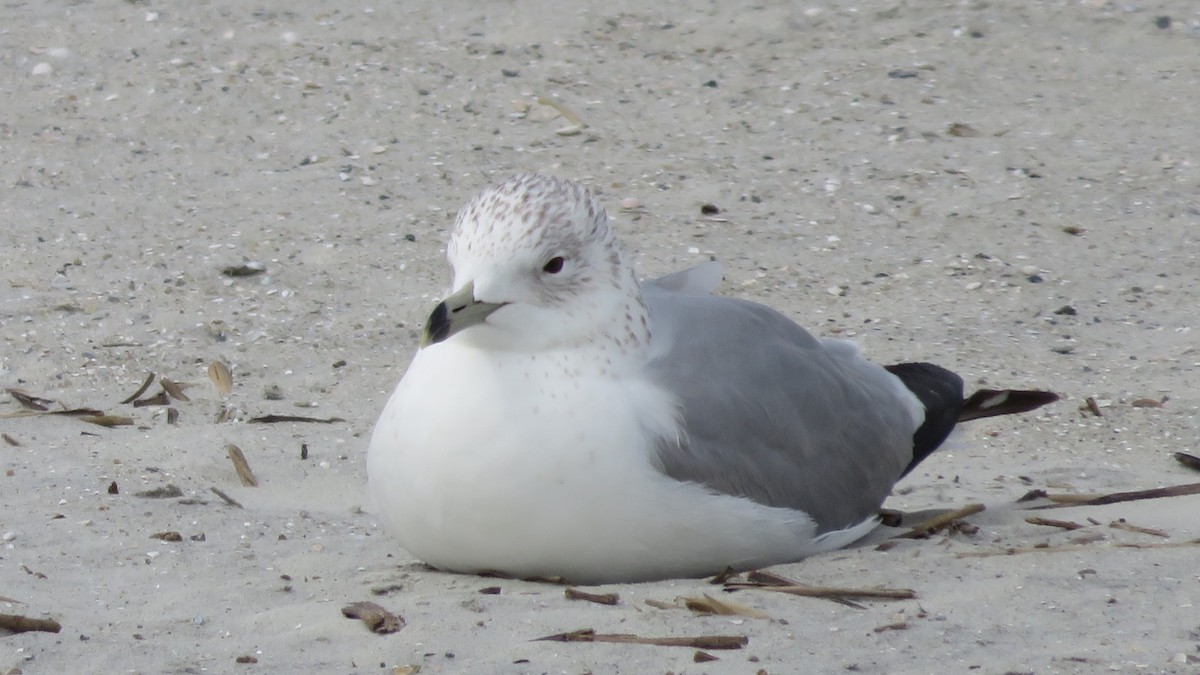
[773,414]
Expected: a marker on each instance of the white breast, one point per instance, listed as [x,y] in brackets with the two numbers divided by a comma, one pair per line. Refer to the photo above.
[472,476]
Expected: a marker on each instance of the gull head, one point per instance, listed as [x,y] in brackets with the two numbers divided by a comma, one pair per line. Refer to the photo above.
[537,267]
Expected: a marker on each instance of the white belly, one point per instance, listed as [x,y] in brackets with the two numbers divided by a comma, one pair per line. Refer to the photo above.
[557,480]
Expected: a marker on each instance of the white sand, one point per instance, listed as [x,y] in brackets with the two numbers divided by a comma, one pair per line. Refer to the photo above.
[146,146]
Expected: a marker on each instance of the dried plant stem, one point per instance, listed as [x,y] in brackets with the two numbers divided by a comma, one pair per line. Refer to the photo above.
[940,522]
[24,624]
[697,642]
[834,591]
[1066,500]
[1067,548]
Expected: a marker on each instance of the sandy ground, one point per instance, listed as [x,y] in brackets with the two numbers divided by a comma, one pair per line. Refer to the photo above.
[1010,192]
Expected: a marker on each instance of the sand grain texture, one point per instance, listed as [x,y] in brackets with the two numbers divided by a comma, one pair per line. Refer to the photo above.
[1008,191]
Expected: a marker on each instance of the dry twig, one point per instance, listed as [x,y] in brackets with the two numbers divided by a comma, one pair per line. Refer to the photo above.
[771,579]
[140,390]
[598,598]
[272,419]
[939,522]
[833,591]
[1065,500]
[226,498]
[698,642]
[1049,522]
[24,624]
[1067,548]
[1129,527]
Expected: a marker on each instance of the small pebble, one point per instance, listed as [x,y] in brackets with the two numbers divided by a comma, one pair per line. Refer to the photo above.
[42,69]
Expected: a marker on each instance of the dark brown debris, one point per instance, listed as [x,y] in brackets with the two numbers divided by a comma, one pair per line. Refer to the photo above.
[169,535]
[174,389]
[168,491]
[104,420]
[31,572]
[891,518]
[598,598]
[160,398]
[272,419]
[762,578]
[28,400]
[1065,500]
[1050,522]
[226,498]
[248,269]
[376,618]
[1190,461]
[140,390]
[36,405]
[723,577]
[24,624]
[962,130]
[928,528]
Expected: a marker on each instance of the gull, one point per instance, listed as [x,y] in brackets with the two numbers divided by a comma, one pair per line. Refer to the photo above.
[563,419]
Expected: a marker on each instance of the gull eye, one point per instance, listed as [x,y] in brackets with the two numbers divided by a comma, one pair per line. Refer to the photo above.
[554,265]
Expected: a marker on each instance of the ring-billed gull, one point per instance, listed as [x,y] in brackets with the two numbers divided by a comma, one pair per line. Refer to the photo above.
[563,419]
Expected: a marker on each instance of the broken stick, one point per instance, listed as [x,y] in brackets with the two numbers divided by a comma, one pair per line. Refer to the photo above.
[24,624]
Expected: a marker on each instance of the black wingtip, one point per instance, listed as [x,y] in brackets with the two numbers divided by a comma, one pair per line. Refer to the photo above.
[941,392]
